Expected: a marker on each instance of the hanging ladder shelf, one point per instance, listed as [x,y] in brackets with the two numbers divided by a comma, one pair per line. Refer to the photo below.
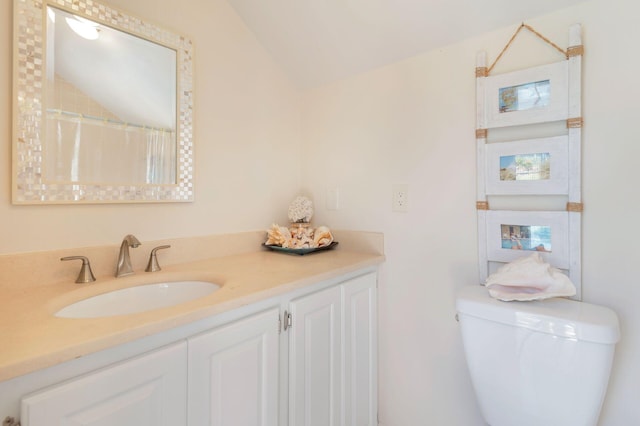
[529,166]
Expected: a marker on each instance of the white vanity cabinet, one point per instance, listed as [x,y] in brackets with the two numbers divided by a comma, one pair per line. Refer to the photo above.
[305,358]
[315,359]
[332,356]
[149,390]
[361,351]
[233,373]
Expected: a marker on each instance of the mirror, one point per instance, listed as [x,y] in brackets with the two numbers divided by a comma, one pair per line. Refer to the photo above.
[102,106]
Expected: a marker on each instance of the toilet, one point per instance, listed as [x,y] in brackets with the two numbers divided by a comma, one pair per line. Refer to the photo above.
[541,363]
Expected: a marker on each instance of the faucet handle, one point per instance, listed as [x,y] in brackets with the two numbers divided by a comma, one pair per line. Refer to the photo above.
[85,275]
[153,265]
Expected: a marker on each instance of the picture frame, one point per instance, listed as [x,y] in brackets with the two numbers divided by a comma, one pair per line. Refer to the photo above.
[544,100]
[514,234]
[531,166]
[533,95]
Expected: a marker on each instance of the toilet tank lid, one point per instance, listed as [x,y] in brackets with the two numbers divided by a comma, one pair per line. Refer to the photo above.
[557,316]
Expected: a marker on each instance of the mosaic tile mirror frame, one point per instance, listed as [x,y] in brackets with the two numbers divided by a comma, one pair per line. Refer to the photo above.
[58,154]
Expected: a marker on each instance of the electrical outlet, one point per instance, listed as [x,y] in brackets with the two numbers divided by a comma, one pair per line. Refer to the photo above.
[400,198]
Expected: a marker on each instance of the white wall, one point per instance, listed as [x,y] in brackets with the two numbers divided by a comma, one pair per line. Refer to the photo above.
[413,122]
[246,128]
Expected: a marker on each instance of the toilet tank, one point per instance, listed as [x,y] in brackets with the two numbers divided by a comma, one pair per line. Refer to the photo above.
[537,363]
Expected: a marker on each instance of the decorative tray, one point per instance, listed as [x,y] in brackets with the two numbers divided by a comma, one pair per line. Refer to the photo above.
[302,251]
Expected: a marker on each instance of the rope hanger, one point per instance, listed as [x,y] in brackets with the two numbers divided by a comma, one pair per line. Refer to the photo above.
[566,54]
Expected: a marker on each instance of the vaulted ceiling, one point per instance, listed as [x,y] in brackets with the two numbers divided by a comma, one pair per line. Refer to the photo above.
[317,41]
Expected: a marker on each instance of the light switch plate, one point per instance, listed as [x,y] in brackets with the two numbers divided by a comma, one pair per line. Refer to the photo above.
[332,200]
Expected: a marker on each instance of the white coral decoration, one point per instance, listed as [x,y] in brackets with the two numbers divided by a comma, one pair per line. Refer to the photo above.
[301,210]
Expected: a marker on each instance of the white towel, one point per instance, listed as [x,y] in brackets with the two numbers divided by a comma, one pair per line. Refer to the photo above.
[529,278]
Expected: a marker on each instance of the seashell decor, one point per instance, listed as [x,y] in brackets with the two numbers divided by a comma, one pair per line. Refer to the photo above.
[298,237]
[301,210]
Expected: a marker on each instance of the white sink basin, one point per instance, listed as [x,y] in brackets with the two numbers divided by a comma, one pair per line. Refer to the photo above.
[137,299]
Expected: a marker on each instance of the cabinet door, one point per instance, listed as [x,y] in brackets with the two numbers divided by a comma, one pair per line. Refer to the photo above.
[233,374]
[360,328]
[315,376]
[149,390]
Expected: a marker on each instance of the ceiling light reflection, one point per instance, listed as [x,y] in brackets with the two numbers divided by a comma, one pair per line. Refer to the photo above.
[84,28]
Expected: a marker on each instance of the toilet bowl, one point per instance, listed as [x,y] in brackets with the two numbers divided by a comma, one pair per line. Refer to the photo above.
[539,363]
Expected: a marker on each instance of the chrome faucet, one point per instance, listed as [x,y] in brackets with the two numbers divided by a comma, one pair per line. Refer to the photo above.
[123,266]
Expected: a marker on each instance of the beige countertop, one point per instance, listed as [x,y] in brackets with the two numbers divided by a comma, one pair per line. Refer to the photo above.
[33,338]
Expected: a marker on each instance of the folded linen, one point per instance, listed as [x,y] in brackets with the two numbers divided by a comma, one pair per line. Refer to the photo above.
[529,278]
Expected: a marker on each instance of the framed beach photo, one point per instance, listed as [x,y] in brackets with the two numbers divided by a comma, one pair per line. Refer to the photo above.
[533,166]
[513,234]
[533,95]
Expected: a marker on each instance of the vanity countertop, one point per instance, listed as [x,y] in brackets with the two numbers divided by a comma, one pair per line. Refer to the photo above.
[33,338]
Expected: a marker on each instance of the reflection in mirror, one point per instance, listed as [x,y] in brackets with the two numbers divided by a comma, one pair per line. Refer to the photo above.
[91,123]
[103,106]
[526,237]
[524,96]
[525,166]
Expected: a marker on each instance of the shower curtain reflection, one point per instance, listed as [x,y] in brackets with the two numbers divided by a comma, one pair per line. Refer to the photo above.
[92,150]
[161,156]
